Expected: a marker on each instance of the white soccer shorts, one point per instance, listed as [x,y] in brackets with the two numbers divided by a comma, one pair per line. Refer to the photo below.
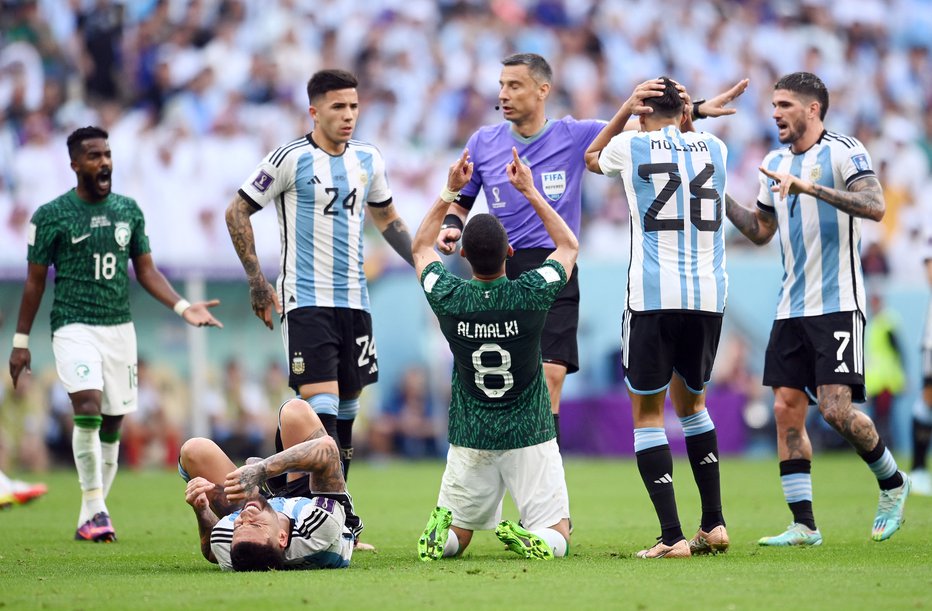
[93,357]
[475,481]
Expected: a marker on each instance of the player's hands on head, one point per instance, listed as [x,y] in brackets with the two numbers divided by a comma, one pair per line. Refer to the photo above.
[198,314]
[20,359]
[786,184]
[264,299]
[244,483]
[648,89]
[716,107]
[460,172]
[519,174]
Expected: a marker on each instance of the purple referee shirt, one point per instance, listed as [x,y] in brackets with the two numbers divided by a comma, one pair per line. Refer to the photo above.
[556,158]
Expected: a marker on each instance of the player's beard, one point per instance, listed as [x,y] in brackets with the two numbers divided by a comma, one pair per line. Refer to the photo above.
[794,131]
[98,184]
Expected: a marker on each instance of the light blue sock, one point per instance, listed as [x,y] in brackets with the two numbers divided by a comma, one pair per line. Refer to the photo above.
[698,423]
[325,404]
[649,437]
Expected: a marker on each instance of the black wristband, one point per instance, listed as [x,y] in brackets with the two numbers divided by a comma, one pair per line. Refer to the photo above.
[452,220]
[696,113]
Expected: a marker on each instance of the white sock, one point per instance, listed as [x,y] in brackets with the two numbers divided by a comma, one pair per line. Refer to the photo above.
[452,546]
[554,539]
[5,483]
[92,503]
[85,445]
[110,452]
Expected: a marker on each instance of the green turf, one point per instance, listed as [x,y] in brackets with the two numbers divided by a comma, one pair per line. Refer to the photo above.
[157,563]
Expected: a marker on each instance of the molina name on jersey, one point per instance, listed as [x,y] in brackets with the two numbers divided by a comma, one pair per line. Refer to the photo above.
[499,398]
[556,158]
[321,201]
[675,185]
[820,245]
[90,245]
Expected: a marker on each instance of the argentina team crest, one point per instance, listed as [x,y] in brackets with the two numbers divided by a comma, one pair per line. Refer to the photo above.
[122,233]
[297,364]
[554,184]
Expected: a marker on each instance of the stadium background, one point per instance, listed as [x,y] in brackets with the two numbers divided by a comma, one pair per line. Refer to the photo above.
[194,93]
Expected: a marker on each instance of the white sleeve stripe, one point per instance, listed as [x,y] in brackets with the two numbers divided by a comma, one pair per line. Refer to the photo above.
[430,280]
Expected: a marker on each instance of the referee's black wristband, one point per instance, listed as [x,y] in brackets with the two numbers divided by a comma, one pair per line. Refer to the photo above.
[696,113]
[452,220]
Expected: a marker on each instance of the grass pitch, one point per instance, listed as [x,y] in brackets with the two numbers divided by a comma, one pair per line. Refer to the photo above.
[157,564]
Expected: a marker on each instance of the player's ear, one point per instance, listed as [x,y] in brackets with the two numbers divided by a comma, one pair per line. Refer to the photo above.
[463,252]
[544,91]
[282,538]
[510,253]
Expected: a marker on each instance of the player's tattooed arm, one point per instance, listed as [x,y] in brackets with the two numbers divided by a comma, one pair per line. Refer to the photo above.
[864,198]
[319,457]
[757,225]
[261,294]
[201,494]
[394,230]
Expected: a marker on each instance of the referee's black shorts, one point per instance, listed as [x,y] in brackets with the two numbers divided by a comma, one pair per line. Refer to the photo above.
[558,341]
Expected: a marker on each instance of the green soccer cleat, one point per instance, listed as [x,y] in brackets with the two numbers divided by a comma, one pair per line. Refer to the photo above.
[795,534]
[522,542]
[890,511]
[430,545]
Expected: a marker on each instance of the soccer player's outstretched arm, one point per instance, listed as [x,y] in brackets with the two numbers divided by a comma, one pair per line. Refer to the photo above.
[864,198]
[20,357]
[423,247]
[634,105]
[393,229]
[757,225]
[561,234]
[151,279]
[320,457]
[261,294]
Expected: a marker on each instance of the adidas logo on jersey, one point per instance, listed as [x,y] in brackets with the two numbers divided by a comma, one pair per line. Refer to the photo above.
[709,459]
[842,368]
[314,181]
[666,479]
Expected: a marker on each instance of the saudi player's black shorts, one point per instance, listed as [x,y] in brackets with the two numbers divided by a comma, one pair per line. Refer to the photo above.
[657,344]
[558,340]
[811,351]
[926,367]
[327,344]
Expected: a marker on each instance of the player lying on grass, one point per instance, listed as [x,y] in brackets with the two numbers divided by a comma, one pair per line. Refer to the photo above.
[302,518]
[502,434]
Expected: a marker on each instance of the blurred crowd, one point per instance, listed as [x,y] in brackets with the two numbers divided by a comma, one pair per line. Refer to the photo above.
[195,92]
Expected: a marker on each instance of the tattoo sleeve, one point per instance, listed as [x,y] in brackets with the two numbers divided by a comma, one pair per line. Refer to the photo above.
[864,198]
[319,457]
[757,226]
[244,240]
[394,231]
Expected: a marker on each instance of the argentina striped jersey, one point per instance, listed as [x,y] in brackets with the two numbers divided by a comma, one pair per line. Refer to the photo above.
[321,201]
[675,185]
[319,538]
[820,244]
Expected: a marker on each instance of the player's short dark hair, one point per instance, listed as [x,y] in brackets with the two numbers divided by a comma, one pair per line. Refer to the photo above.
[670,104]
[78,136]
[252,556]
[538,67]
[486,244]
[329,80]
[807,85]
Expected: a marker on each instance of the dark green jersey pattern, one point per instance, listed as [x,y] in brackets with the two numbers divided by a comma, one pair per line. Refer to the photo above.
[499,397]
[90,246]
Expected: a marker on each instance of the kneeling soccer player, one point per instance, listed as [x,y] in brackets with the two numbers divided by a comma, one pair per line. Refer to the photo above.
[302,519]
[502,434]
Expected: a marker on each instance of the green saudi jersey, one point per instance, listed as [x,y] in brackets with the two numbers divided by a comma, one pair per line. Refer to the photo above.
[90,246]
[499,397]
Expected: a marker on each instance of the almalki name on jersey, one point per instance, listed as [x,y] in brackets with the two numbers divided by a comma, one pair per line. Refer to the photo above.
[491,330]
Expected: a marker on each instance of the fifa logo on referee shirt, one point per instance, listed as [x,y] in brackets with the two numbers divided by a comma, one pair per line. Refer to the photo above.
[297,364]
[498,203]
